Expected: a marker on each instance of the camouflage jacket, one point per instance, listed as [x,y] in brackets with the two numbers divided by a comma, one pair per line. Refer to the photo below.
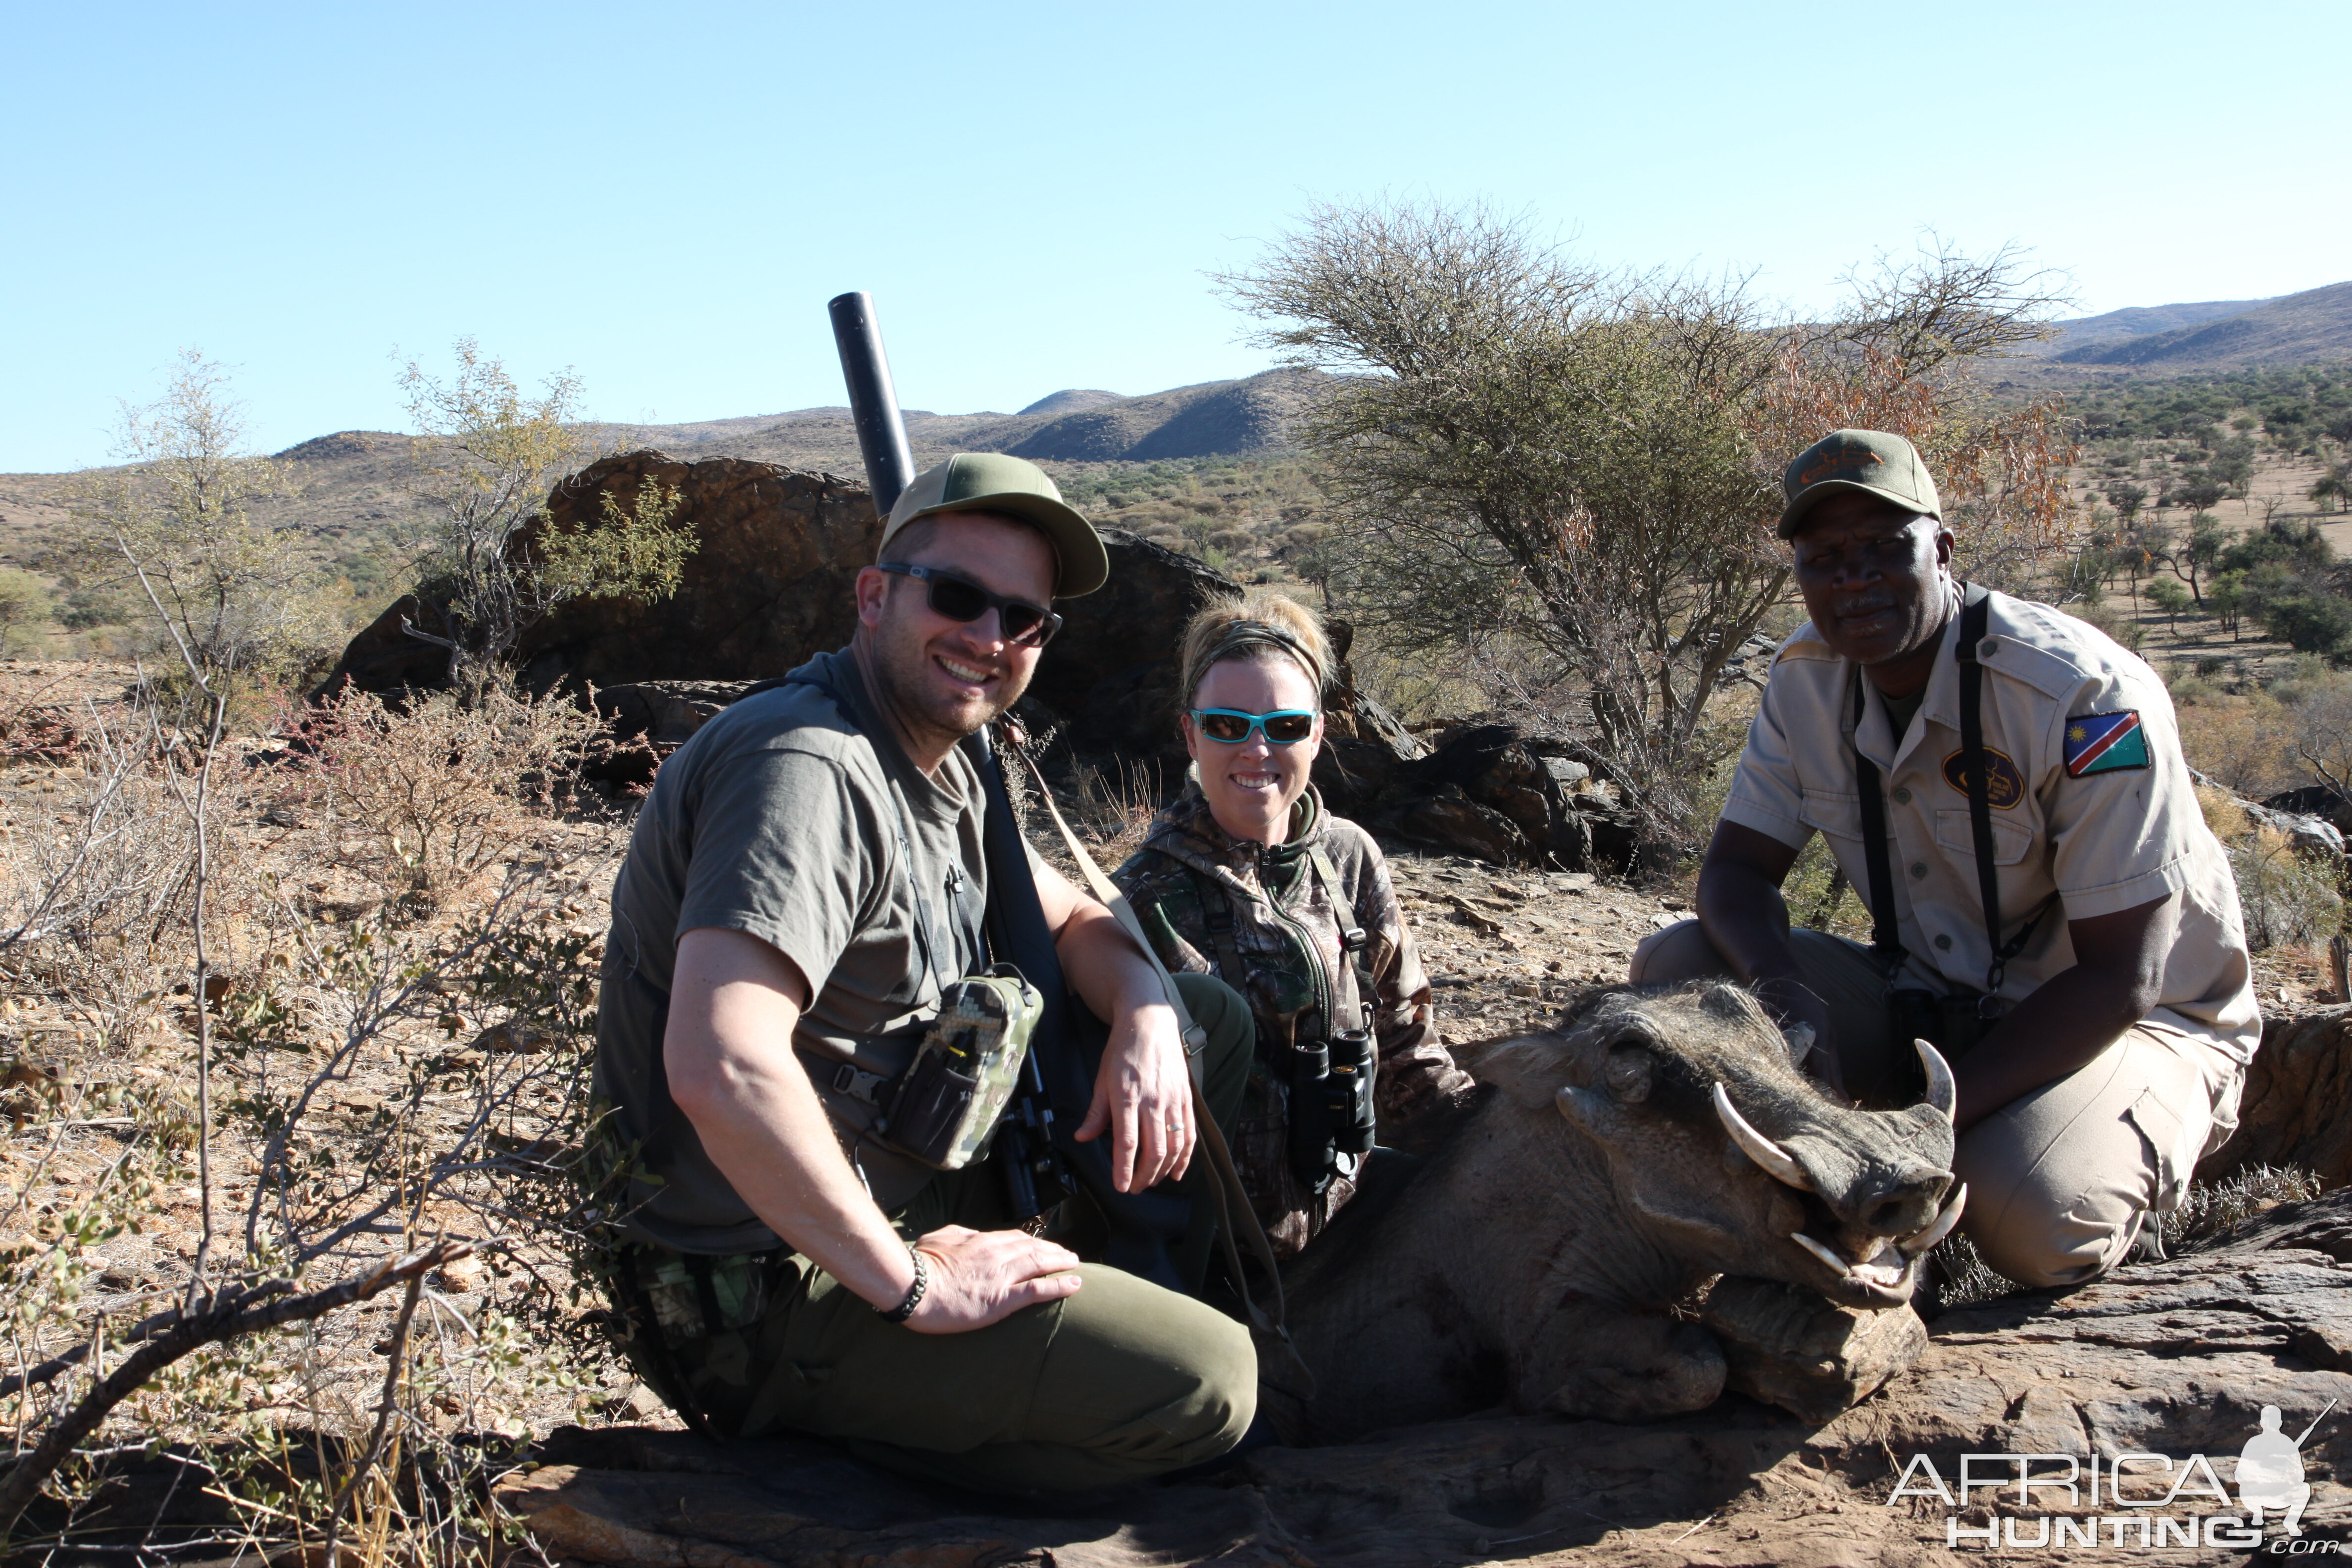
[1283,922]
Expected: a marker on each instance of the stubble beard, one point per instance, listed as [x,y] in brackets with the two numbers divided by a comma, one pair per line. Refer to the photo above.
[902,671]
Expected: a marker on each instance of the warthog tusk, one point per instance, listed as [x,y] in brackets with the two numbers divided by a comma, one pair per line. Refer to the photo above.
[1826,1255]
[1942,1093]
[1887,1275]
[1758,1147]
[1938,1227]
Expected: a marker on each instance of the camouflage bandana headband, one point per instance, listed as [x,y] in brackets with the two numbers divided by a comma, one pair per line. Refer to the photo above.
[1243,635]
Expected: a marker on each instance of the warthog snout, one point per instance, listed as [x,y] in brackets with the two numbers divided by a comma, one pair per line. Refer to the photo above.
[1870,1214]
[1904,1204]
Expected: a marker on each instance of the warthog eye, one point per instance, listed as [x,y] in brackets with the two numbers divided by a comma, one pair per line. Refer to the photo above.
[1628,1074]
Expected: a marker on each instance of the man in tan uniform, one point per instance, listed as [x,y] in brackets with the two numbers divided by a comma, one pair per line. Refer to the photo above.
[2099,1034]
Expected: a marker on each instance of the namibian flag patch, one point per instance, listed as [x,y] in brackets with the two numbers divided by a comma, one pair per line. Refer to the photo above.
[2104,744]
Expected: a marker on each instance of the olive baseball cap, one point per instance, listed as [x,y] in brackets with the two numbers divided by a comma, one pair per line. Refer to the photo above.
[1870,461]
[991,481]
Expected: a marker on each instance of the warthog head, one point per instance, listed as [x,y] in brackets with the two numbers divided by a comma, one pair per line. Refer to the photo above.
[1728,1159]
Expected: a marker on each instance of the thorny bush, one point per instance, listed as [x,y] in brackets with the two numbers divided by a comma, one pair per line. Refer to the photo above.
[425,798]
[389,1093]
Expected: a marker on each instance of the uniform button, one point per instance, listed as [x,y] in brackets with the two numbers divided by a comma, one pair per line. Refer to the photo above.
[1919,868]
[1945,942]
[1903,797]
[1986,648]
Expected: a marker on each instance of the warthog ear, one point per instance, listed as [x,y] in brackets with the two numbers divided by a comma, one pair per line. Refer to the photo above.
[1732,1003]
[1530,1068]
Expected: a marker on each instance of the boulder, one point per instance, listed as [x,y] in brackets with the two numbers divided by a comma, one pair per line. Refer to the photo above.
[2296,1108]
[1492,791]
[770,584]
[2314,800]
[2313,837]
[2167,1360]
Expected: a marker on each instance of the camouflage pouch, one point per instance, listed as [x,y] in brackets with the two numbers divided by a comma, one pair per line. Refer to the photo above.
[953,1093]
[694,1297]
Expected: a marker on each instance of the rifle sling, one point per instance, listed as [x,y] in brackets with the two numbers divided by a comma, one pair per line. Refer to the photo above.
[1235,1210]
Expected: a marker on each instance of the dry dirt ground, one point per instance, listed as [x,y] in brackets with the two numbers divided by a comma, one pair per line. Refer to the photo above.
[1506,948]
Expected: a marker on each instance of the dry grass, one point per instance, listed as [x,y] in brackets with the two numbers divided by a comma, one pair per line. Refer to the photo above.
[385,1073]
[1113,814]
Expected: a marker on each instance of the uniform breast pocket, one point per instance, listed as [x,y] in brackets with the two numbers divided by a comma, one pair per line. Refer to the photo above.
[2010,841]
[1839,815]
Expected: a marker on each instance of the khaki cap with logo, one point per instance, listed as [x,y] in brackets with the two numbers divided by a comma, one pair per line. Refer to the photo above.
[991,481]
[1870,461]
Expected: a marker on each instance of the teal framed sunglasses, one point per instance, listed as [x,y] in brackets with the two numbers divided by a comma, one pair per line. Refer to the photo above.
[1232,727]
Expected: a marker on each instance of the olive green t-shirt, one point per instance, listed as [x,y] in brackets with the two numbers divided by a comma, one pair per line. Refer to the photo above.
[780,819]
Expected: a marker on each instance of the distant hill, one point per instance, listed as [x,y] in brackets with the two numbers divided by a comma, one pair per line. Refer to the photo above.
[1213,419]
[2293,329]
[351,489]
[1070,399]
[2135,322]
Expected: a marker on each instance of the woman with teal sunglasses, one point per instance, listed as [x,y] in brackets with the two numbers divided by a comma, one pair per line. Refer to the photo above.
[1246,876]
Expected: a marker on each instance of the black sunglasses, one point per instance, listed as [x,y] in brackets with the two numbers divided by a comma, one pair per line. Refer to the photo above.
[961,599]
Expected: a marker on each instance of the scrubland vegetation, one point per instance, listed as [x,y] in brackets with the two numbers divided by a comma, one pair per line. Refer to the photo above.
[300,1200]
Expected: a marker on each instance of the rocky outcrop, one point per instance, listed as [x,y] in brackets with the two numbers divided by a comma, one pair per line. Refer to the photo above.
[1492,791]
[2314,800]
[770,583]
[2313,837]
[2169,1360]
[2298,1105]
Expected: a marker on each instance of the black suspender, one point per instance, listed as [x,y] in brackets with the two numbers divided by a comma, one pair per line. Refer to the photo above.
[1974,611]
[1884,944]
[1978,768]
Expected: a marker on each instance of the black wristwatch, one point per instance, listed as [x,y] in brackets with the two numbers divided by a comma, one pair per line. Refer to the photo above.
[906,1309]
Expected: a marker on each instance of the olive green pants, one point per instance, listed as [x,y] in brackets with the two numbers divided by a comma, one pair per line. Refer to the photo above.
[1119,1382]
[2061,1179]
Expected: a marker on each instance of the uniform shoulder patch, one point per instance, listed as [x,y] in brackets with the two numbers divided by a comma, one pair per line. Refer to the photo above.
[2106,743]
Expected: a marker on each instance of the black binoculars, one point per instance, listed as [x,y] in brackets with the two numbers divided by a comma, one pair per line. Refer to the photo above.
[1330,1103]
[1952,1024]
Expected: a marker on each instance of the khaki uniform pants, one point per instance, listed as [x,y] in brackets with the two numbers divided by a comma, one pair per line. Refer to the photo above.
[2059,1180]
[1121,1382]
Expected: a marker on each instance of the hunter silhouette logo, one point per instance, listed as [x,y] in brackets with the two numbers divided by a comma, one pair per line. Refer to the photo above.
[2270,1471]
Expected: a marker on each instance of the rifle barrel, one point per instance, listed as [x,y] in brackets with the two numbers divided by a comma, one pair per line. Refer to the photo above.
[872,401]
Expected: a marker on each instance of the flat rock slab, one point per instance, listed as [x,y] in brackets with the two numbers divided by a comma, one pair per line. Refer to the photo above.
[2173,1358]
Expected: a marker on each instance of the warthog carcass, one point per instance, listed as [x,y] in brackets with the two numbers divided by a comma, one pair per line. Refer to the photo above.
[1608,1171]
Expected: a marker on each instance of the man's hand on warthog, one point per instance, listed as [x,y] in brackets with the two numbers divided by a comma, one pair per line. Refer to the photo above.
[979,1277]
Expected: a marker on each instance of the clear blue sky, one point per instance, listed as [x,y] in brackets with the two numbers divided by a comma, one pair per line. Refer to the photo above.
[663,197]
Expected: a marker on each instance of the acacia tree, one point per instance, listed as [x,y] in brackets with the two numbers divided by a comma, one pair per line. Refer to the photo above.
[488,457]
[1573,474]
[222,586]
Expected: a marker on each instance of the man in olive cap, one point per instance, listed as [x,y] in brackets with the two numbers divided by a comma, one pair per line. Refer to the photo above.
[2100,1013]
[806,877]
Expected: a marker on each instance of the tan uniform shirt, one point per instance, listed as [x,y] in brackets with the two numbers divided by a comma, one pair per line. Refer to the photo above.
[2100,839]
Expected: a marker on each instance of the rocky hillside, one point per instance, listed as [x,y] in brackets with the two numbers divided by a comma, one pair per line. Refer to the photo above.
[2293,329]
